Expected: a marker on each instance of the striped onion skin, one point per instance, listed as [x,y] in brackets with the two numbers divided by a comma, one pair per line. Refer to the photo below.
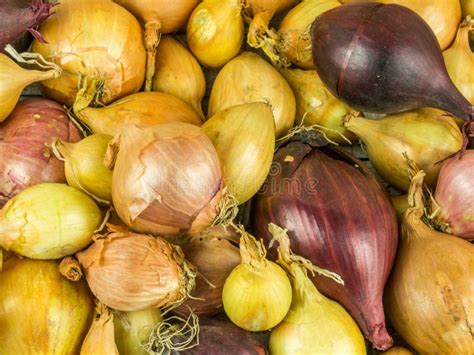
[339,217]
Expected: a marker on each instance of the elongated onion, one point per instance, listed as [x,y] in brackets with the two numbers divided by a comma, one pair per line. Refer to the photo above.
[215,31]
[158,17]
[103,42]
[48,221]
[178,73]
[142,109]
[237,83]
[100,339]
[62,309]
[244,137]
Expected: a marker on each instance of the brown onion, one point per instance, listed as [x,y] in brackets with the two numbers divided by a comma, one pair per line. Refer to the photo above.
[100,338]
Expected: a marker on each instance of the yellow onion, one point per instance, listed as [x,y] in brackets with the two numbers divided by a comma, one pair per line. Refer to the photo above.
[41,312]
[13,79]
[100,339]
[425,136]
[158,17]
[133,329]
[467,7]
[48,221]
[249,78]
[178,73]
[133,272]
[257,293]
[167,179]
[253,7]
[430,296]
[400,204]
[94,40]
[315,105]
[459,59]
[143,109]
[84,165]
[215,31]
[314,323]
[397,350]
[244,137]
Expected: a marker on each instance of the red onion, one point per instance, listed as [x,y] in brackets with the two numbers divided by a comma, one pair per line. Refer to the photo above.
[20,16]
[339,217]
[25,140]
[383,59]
[455,195]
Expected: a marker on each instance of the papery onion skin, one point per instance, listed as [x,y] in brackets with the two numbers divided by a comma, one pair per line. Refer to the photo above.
[143,109]
[100,337]
[454,195]
[237,83]
[62,309]
[167,179]
[25,141]
[104,41]
[361,236]
[48,221]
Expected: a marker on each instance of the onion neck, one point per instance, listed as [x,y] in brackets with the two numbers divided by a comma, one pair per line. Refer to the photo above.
[152,40]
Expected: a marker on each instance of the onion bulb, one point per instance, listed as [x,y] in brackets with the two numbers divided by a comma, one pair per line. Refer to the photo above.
[425,136]
[397,350]
[100,339]
[238,83]
[133,272]
[41,312]
[467,7]
[48,221]
[215,31]
[430,296]
[103,43]
[400,204]
[158,17]
[314,323]
[178,73]
[244,137]
[167,179]
[142,109]
[84,165]
[459,59]
[257,293]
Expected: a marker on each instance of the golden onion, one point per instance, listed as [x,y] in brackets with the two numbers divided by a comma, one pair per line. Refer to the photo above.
[215,31]
[253,7]
[178,73]
[244,137]
[41,312]
[142,109]
[400,204]
[257,293]
[249,78]
[397,350]
[93,40]
[100,339]
[467,7]
[48,221]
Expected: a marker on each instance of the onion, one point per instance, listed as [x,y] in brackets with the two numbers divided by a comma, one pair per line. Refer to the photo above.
[400,204]
[62,309]
[425,136]
[383,59]
[454,195]
[18,17]
[467,7]
[134,272]
[167,179]
[100,338]
[339,217]
[237,83]
[178,73]
[25,141]
[257,293]
[143,109]
[215,31]
[314,324]
[254,7]
[103,43]
[458,58]
[430,296]
[48,221]
[158,17]
[244,137]
[397,350]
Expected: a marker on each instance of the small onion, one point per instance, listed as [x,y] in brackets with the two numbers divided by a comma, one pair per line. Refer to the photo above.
[48,221]
[100,339]
[397,350]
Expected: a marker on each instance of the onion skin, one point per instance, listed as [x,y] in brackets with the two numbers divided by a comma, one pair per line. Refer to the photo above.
[368,57]
[62,309]
[362,249]
[27,159]
[454,195]
[272,6]
[100,338]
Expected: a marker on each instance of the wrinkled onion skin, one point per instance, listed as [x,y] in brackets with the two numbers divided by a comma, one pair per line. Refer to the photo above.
[25,141]
[339,219]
